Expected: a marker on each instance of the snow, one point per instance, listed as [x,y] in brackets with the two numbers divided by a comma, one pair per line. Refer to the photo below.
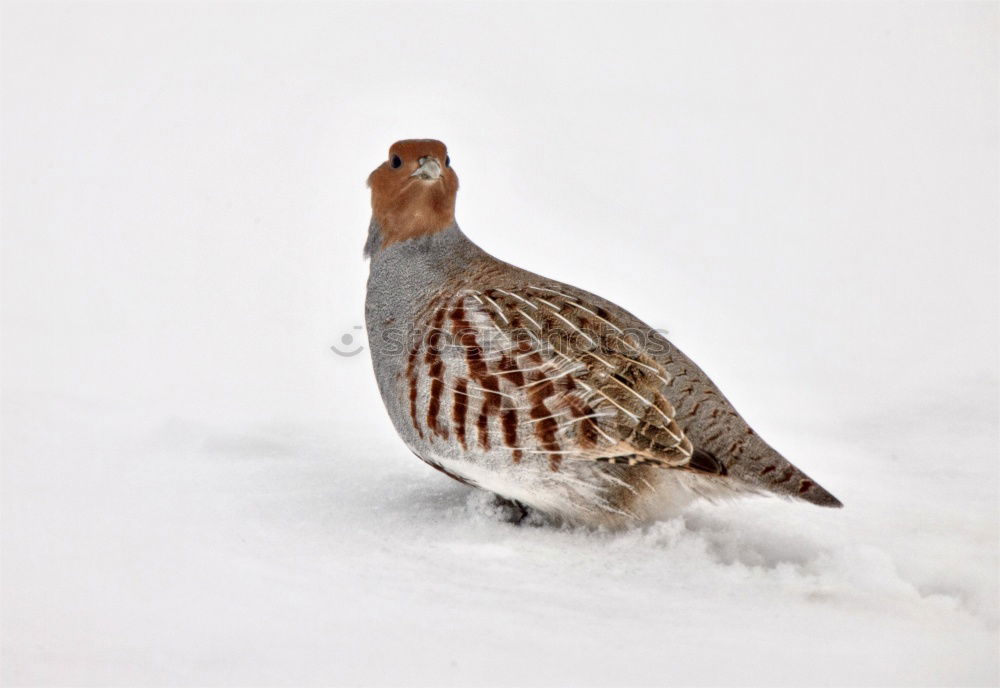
[197,491]
[200,554]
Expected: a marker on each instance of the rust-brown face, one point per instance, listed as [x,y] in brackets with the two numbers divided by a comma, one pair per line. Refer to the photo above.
[413,191]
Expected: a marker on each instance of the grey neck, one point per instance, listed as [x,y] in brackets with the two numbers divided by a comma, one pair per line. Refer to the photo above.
[374,239]
[407,273]
[403,278]
[439,252]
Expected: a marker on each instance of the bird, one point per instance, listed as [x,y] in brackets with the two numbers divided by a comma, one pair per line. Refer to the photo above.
[557,401]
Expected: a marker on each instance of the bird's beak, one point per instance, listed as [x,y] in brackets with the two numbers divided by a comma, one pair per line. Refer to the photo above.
[429,168]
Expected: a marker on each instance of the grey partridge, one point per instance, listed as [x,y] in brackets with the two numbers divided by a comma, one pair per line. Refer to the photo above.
[537,391]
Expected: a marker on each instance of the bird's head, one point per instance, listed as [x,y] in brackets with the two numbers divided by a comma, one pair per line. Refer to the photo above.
[413,191]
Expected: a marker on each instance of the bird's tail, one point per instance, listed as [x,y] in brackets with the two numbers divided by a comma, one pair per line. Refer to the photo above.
[760,468]
[776,474]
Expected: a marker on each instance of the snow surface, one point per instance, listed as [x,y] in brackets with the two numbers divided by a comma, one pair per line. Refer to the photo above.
[197,491]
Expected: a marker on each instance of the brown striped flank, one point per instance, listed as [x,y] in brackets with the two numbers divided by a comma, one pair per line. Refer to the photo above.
[411,376]
[509,423]
[435,371]
[478,371]
[459,406]
[587,432]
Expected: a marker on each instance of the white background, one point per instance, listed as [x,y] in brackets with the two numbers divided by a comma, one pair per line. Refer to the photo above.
[196,490]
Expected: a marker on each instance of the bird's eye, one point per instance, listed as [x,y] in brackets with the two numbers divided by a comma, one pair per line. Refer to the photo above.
[447,161]
[396,162]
